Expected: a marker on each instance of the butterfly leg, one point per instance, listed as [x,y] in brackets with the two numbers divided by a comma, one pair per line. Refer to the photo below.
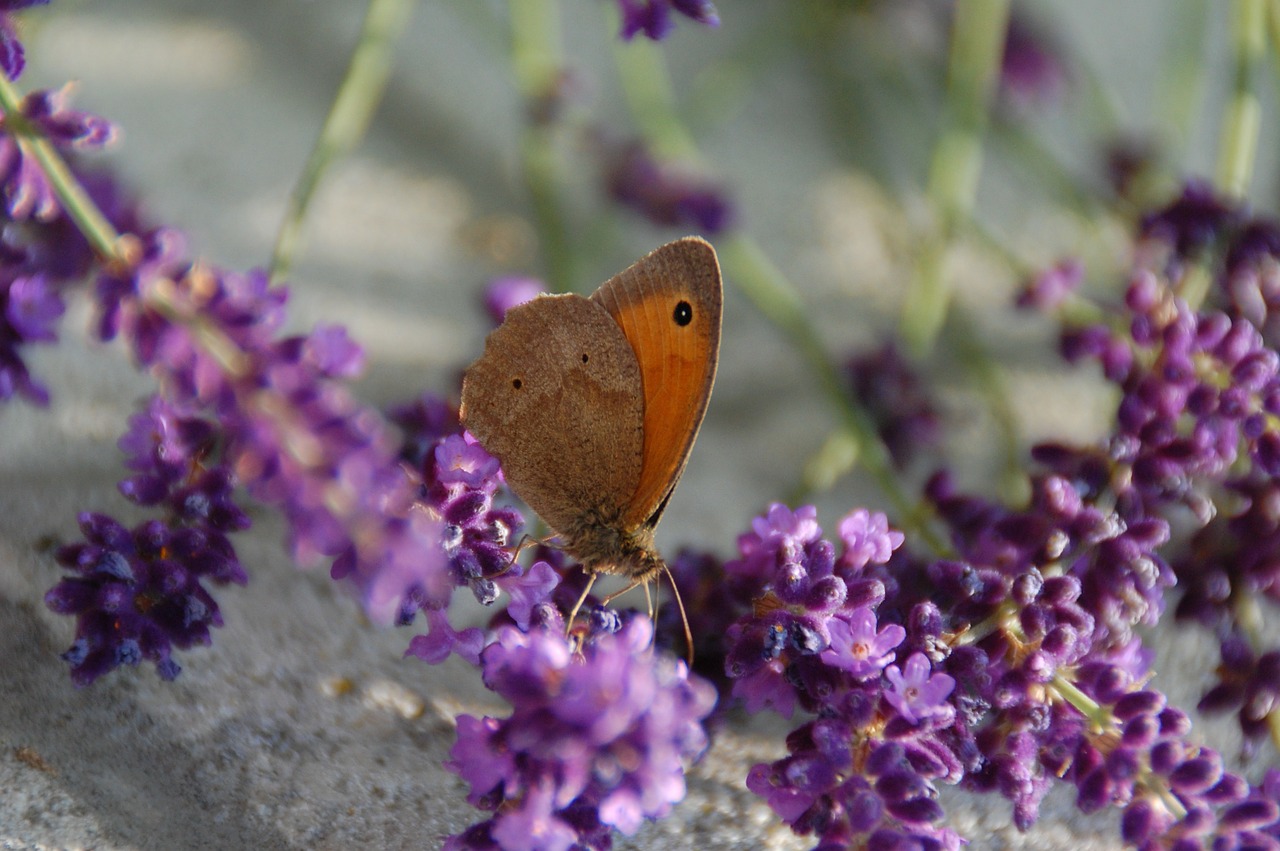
[568,624]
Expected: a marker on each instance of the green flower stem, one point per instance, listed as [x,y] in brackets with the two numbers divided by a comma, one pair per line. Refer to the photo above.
[651,99]
[1182,79]
[348,120]
[977,43]
[536,64]
[1243,118]
[86,215]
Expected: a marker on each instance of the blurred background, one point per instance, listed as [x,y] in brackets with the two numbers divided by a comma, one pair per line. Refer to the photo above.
[813,122]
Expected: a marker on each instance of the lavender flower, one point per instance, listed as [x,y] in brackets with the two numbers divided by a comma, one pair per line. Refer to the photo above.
[1032,71]
[12,56]
[591,744]
[26,190]
[892,392]
[653,17]
[503,294]
[30,307]
[664,195]
[139,594]
[918,694]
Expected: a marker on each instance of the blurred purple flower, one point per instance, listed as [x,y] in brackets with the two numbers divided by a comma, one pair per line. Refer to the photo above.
[664,195]
[12,56]
[653,17]
[27,192]
[1033,71]
[30,307]
[502,294]
[1051,287]
[898,401]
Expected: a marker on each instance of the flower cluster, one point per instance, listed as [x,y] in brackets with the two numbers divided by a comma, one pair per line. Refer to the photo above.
[40,251]
[862,772]
[1196,425]
[595,742]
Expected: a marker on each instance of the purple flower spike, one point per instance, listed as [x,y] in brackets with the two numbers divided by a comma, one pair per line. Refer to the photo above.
[857,647]
[917,694]
[593,742]
[138,594]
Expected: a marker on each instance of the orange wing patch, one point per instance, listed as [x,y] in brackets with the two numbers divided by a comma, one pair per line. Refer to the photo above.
[668,306]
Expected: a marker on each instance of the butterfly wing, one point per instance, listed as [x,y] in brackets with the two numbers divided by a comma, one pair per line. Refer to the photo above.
[556,398]
[668,305]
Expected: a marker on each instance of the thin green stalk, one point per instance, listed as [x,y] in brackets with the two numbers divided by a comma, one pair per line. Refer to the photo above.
[1243,119]
[348,120]
[88,218]
[651,99]
[536,64]
[977,43]
[1182,77]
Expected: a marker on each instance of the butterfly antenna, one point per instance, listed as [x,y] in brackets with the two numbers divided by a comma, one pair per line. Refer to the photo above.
[684,619]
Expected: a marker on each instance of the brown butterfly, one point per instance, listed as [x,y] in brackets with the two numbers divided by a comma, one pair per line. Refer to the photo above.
[591,405]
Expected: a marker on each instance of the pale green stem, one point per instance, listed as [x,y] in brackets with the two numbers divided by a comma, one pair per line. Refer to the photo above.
[349,116]
[977,43]
[651,99]
[71,195]
[1243,119]
[536,64]
[1182,78]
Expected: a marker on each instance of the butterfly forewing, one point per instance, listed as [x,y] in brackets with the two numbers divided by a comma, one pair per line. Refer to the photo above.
[668,306]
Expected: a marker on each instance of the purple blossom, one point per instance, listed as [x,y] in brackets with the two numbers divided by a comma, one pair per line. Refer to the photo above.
[441,640]
[139,594]
[30,307]
[662,193]
[858,648]
[503,294]
[1051,287]
[867,539]
[894,395]
[27,192]
[591,743]
[12,56]
[528,589]
[1033,71]
[653,17]
[917,693]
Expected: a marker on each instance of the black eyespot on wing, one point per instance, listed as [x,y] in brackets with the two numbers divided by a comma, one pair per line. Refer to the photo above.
[683,314]
[585,357]
[517,383]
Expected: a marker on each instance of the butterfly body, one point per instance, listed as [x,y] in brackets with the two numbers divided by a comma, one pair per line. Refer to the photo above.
[591,405]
